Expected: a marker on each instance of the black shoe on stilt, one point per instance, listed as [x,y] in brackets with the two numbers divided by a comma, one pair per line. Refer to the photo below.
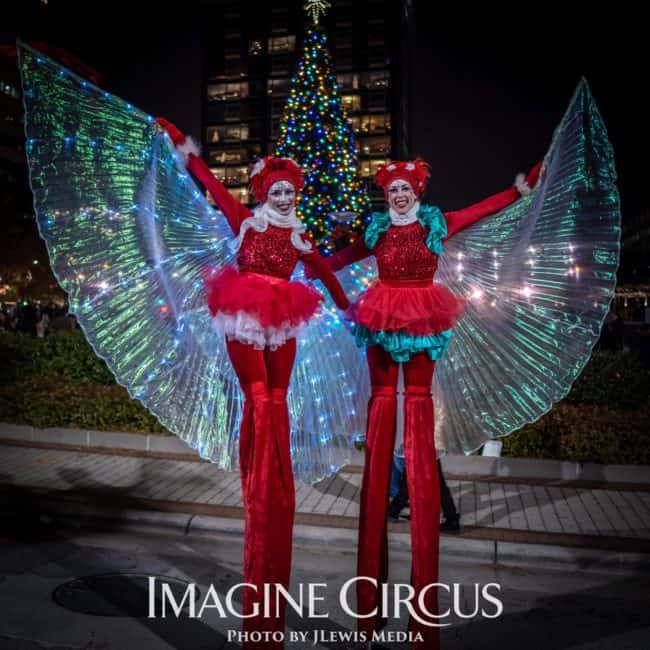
[450,526]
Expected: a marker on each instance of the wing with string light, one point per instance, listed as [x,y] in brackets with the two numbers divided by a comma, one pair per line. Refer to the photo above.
[539,277]
[128,233]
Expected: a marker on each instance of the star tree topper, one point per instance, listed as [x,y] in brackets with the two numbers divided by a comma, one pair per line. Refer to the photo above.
[317,7]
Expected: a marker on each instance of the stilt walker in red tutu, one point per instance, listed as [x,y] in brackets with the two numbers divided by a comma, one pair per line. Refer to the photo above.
[405,318]
[260,312]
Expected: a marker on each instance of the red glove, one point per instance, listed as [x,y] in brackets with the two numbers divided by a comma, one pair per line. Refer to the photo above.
[533,175]
[178,138]
[525,185]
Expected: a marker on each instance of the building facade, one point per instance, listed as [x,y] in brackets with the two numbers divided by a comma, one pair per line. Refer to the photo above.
[251,51]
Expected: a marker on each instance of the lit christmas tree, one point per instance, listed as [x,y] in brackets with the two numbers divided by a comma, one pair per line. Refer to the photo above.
[315,132]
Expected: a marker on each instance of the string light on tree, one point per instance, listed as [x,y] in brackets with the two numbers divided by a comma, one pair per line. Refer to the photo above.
[316,133]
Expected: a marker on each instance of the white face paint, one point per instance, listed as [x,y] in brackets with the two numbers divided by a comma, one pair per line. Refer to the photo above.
[401,196]
[282,197]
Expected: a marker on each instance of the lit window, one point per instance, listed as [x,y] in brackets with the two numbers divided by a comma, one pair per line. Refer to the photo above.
[236,175]
[241,194]
[379,145]
[379,79]
[371,167]
[227,132]
[355,123]
[227,156]
[221,92]
[348,81]
[375,122]
[219,173]
[277,86]
[231,175]
[282,44]
[351,103]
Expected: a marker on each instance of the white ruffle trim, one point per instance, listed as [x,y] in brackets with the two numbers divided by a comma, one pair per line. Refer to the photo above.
[245,328]
[404,219]
[262,216]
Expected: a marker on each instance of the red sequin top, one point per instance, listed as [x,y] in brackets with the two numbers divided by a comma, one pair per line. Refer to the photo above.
[402,255]
[270,252]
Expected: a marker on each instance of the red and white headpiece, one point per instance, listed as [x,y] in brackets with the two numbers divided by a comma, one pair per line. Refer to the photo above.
[414,172]
[270,170]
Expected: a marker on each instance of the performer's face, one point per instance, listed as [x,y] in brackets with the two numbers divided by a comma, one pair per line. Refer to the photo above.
[282,197]
[401,196]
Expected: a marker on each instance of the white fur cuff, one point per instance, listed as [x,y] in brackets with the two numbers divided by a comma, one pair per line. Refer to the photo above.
[522,186]
[188,147]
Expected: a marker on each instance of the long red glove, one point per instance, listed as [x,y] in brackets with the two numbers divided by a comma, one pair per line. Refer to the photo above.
[176,135]
[234,211]
[346,256]
[317,267]
[458,220]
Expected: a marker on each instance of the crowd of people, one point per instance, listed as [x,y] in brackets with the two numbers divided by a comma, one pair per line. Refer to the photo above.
[36,319]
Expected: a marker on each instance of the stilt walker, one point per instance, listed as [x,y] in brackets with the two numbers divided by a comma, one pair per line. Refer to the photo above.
[189,318]
[260,312]
[528,277]
[406,319]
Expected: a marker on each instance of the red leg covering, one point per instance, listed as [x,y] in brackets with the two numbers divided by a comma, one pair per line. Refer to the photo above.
[424,492]
[267,480]
[280,538]
[372,558]
[279,364]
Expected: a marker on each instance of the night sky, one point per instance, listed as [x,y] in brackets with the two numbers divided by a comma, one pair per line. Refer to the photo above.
[490,85]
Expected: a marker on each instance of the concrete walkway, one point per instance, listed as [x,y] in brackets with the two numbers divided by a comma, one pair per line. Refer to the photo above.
[563,513]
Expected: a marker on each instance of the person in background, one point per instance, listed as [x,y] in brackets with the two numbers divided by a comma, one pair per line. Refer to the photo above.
[42,322]
[399,495]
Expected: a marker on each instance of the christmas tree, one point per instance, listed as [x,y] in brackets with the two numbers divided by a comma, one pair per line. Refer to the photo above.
[315,132]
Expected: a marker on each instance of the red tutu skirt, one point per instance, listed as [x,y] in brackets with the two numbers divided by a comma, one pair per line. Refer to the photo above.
[414,308]
[259,309]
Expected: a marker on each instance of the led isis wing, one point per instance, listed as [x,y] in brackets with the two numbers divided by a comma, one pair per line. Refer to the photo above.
[539,277]
[128,234]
